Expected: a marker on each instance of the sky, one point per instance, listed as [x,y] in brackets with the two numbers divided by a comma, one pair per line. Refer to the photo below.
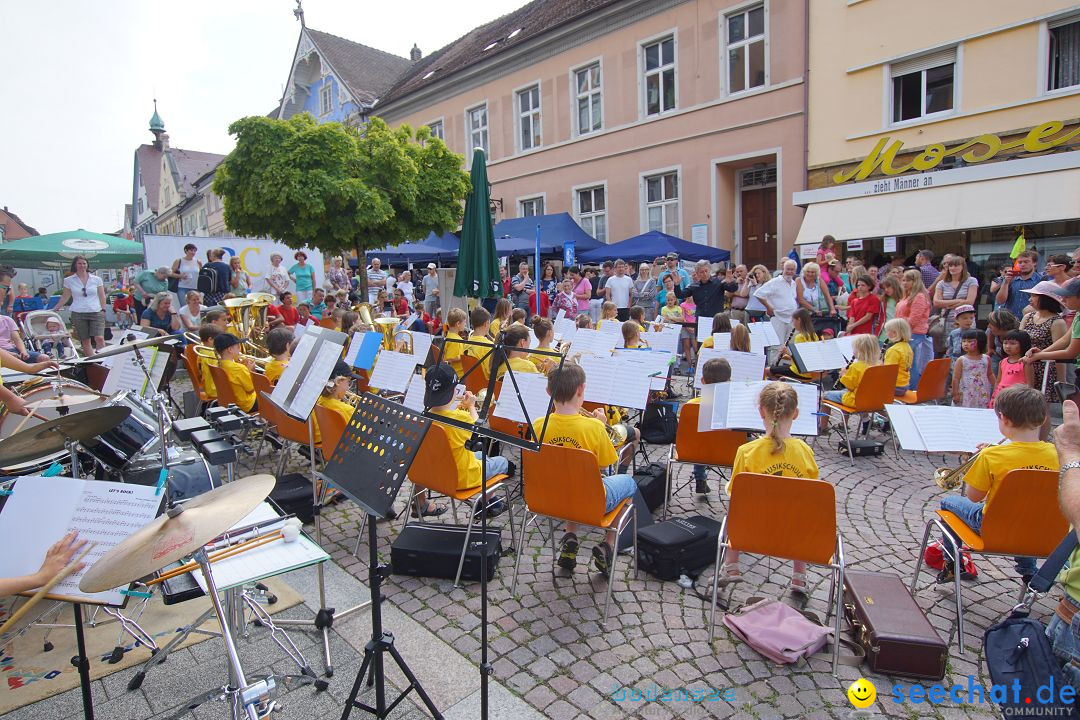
[80,79]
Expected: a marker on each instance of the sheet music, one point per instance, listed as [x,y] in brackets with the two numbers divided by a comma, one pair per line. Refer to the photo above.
[534,342]
[846,343]
[820,355]
[367,347]
[414,396]
[421,343]
[657,365]
[594,342]
[533,392]
[665,342]
[941,428]
[565,329]
[704,328]
[315,378]
[265,561]
[747,367]
[611,326]
[289,376]
[560,315]
[42,510]
[125,373]
[393,370]
[766,331]
[616,381]
[734,406]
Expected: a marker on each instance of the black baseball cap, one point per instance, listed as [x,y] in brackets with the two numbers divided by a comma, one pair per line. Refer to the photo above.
[439,385]
[341,369]
[224,341]
[1070,289]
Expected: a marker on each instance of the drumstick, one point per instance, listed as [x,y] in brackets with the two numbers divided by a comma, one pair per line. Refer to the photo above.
[30,413]
[222,554]
[64,572]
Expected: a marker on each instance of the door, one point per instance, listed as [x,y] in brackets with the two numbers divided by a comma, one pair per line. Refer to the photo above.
[758,240]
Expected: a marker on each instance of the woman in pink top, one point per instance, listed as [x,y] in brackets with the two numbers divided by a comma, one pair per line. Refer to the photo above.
[914,307]
[582,288]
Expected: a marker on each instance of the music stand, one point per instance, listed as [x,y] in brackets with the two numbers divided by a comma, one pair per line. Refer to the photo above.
[530,442]
[382,438]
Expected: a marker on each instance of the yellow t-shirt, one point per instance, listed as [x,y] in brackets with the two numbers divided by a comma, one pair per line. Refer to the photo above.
[757,456]
[994,463]
[452,352]
[707,342]
[609,321]
[539,361]
[479,352]
[801,338]
[495,325]
[518,365]
[901,354]
[240,379]
[672,313]
[342,408]
[207,379]
[851,379]
[466,462]
[578,431]
[274,368]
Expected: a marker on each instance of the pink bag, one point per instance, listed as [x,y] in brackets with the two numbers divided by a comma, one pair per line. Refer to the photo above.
[778,631]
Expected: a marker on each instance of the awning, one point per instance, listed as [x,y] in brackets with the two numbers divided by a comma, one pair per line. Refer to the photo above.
[1015,200]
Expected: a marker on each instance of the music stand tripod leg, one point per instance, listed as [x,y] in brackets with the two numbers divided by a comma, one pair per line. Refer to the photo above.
[82,662]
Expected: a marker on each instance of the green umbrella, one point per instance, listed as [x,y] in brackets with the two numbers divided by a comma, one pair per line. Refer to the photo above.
[478,264]
[57,249]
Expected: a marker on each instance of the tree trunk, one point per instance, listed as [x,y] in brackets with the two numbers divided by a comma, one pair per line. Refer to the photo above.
[361,273]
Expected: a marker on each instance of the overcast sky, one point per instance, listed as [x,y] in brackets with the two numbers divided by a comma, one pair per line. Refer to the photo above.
[80,78]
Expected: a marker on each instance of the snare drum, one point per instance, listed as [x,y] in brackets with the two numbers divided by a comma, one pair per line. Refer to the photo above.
[189,473]
[81,398]
[135,436]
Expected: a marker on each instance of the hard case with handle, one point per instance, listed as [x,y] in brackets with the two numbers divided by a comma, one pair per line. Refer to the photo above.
[891,627]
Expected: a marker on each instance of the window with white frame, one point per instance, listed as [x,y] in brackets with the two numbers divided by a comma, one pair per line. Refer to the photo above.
[746,49]
[476,121]
[592,212]
[531,207]
[923,86]
[662,202]
[326,97]
[1063,66]
[528,105]
[587,88]
[437,129]
[659,68]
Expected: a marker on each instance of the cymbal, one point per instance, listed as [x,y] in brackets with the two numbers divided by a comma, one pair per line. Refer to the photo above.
[164,540]
[49,437]
[64,401]
[127,347]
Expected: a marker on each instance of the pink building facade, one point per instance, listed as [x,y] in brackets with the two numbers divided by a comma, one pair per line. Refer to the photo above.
[685,117]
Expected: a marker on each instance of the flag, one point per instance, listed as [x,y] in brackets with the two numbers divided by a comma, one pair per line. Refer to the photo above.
[1019,246]
[793,255]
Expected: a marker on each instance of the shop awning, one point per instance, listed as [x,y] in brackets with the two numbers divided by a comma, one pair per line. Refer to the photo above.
[1016,200]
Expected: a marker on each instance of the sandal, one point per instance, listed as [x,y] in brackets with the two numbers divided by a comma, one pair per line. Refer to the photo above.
[731,574]
[798,583]
[430,511]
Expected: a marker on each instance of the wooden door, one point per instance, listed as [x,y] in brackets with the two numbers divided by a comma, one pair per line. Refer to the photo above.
[758,240]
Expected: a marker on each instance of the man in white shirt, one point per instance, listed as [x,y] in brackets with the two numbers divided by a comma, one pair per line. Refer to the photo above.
[617,289]
[376,279]
[778,297]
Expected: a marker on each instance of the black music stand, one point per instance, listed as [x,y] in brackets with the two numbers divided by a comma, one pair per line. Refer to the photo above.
[382,439]
[480,433]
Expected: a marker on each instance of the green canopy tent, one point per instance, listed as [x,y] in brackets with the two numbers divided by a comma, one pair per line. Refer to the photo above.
[478,263]
[56,250]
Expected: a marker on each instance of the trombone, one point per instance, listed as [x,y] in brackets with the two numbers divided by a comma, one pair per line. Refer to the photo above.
[950,478]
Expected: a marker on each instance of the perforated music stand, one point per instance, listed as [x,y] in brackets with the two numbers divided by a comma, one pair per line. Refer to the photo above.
[369,465]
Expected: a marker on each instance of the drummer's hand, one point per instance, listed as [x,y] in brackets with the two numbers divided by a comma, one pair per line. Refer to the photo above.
[16,405]
[58,557]
[46,365]
[600,415]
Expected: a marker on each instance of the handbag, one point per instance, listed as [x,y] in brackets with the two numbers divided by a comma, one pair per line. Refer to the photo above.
[778,631]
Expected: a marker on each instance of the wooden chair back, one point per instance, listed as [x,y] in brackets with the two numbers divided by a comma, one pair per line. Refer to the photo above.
[932,382]
[288,428]
[877,388]
[434,467]
[1024,518]
[225,394]
[783,517]
[331,428]
[716,447]
[564,483]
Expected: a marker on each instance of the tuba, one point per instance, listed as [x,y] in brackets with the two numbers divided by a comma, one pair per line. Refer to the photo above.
[617,433]
[239,310]
[259,325]
[390,333]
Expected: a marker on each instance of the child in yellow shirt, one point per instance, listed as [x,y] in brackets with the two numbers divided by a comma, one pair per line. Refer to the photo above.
[278,342]
[609,312]
[504,309]
[227,346]
[207,333]
[631,333]
[721,323]
[337,387]
[480,319]
[545,335]
[455,330]
[517,336]
[899,353]
[867,354]
[776,453]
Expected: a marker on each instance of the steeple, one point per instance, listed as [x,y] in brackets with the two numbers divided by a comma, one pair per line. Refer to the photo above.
[157,126]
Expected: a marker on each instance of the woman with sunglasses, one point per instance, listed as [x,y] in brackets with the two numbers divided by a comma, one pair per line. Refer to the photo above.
[87,295]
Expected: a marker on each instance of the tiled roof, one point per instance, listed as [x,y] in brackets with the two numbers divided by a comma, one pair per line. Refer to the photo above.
[189,165]
[29,230]
[489,40]
[150,164]
[367,72]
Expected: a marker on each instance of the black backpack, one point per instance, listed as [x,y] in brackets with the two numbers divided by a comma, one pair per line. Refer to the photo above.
[208,280]
[659,422]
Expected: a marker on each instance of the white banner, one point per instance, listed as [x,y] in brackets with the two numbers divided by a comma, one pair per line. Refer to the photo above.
[162,250]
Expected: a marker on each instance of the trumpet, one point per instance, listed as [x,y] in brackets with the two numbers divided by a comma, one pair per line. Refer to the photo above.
[210,355]
[950,478]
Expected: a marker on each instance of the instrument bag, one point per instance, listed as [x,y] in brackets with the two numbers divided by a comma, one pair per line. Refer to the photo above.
[680,546]
[293,494]
[431,550]
[659,422]
[651,480]
[891,627]
[862,447]
[1017,649]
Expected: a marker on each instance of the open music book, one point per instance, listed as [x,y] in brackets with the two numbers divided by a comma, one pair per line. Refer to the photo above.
[666,339]
[594,342]
[393,370]
[533,392]
[734,406]
[942,428]
[765,332]
[617,381]
[41,510]
[125,373]
[745,366]
[823,354]
[722,341]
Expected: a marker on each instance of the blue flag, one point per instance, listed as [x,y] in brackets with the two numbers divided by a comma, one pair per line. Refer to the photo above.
[795,256]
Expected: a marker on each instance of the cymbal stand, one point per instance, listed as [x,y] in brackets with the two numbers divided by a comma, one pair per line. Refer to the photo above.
[161,411]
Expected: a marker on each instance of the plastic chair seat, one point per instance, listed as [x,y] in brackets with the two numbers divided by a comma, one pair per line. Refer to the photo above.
[909,398]
[609,518]
[967,536]
[841,406]
[470,493]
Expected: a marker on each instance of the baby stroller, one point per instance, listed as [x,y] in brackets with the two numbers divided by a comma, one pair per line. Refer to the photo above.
[56,343]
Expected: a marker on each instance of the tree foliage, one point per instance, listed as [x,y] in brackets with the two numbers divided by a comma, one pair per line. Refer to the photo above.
[338,188]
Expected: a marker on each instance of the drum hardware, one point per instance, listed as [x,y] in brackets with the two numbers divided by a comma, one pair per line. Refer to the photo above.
[64,433]
[127,346]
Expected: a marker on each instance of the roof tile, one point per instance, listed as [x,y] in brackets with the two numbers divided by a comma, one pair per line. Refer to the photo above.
[367,72]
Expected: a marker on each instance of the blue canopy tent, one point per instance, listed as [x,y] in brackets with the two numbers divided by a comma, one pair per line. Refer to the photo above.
[646,247]
[555,229]
[433,248]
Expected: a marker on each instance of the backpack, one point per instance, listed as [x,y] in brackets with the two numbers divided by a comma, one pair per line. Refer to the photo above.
[208,280]
[659,422]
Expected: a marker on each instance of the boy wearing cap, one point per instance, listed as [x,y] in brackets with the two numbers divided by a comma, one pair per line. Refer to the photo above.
[333,393]
[965,320]
[227,346]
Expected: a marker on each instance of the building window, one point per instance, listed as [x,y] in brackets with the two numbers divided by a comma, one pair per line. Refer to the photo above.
[923,86]
[531,207]
[1064,60]
[326,97]
[746,49]
[436,129]
[659,76]
[587,84]
[140,206]
[592,212]
[477,123]
[662,202]
[528,101]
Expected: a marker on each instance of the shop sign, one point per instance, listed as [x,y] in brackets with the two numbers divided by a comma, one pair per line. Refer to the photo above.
[985,147]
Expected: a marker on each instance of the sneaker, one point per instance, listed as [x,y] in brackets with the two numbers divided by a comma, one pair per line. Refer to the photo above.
[1025,580]
[947,574]
[568,552]
[601,558]
[701,486]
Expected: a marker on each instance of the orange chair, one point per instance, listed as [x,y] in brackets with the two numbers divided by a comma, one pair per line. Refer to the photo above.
[287,429]
[715,448]
[261,383]
[225,393]
[430,470]
[1027,522]
[436,354]
[564,483]
[476,380]
[931,385]
[876,390]
[327,322]
[789,518]
[191,363]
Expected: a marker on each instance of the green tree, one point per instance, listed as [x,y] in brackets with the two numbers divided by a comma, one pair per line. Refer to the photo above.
[337,188]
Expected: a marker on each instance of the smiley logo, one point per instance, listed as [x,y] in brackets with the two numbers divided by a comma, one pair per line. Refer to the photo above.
[862,693]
